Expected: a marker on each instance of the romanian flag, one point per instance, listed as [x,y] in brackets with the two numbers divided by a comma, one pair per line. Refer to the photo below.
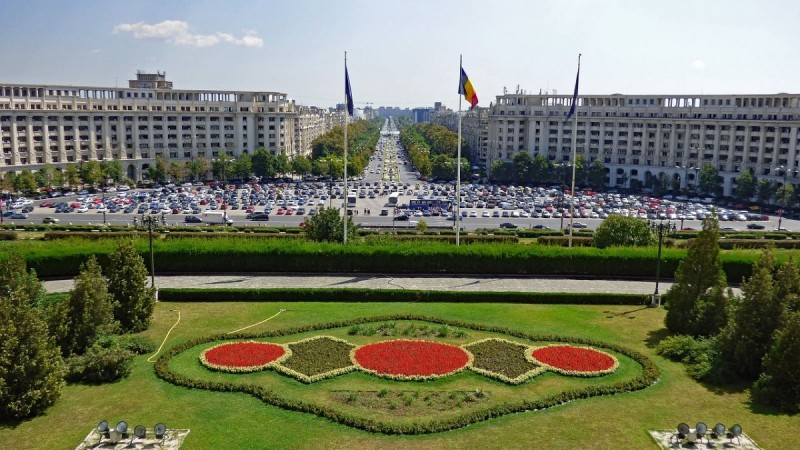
[465,88]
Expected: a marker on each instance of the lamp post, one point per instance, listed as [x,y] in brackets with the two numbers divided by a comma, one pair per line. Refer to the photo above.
[150,220]
[685,181]
[660,228]
[783,193]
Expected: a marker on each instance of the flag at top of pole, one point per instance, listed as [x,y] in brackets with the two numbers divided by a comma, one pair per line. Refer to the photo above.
[347,92]
[575,95]
[465,88]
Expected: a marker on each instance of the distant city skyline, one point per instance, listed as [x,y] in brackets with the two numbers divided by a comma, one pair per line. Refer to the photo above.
[405,54]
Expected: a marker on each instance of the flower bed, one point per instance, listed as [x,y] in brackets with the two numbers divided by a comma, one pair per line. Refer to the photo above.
[574,360]
[240,357]
[410,359]
[502,360]
[317,358]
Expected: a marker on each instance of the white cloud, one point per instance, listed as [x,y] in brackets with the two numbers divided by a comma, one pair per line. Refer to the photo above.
[698,64]
[177,32]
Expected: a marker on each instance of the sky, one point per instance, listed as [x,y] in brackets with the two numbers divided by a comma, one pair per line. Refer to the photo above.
[406,53]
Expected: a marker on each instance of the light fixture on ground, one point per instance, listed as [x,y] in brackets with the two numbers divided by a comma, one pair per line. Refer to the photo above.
[660,228]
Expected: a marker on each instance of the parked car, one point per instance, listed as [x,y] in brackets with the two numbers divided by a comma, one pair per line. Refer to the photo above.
[192,219]
[755,226]
[260,217]
[19,215]
[508,225]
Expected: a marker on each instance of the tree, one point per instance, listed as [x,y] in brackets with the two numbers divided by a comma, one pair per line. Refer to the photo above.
[758,314]
[86,313]
[45,176]
[327,225]
[777,384]
[765,190]
[502,171]
[523,167]
[746,185]
[698,300]
[301,165]
[242,168]
[177,171]
[662,185]
[133,302]
[198,167]
[31,369]
[91,172]
[618,230]
[541,169]
[25,181]
[221,166]
[784,196]
[72,175]
[709,180]
[161,169]
[263,163]
[112,169]
[597,175]
[282,165]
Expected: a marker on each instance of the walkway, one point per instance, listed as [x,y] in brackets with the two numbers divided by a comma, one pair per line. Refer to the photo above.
[382,281]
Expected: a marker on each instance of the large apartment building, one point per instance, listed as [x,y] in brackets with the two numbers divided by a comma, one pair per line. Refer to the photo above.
[638,137]
[69,124]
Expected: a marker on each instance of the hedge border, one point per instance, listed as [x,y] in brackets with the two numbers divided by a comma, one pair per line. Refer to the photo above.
[649,376]
[362,295]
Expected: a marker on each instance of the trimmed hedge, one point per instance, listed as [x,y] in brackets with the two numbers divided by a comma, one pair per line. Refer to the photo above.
[466,239]
[7,235]
[563,241]
[394,295]
[730,244]
[649,376]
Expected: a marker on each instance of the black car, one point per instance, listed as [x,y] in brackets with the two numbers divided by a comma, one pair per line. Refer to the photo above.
[539,226]
[508,225]
[261,217]
[192,219]
[755,226]
[401,217]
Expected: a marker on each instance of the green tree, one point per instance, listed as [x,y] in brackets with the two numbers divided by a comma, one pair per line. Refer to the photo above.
[31,369]
[263,163]
[177,171]
[765,191]
[242,168]
[328,226]
[282,165]
[541,169]
[198,167]
[698,299]
[221,166]
[161,169]
[618,230]
[112,169]
[502,171]
[709,180]
[746,185]
[86,313]
[25,181]
[523,167]
[301,165]
[133,302]
[72,175]
[92,172]
[597,175]
[758,314]
[784,196]
[661,186]
[777,384]
[45,176]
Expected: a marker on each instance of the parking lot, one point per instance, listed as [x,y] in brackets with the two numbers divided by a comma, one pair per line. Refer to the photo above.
[382,196]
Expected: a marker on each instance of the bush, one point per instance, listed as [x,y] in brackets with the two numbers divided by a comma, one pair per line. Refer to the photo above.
[697,354]
[139,345]
[100,364]
[563,241]
[6,235]
[621,231]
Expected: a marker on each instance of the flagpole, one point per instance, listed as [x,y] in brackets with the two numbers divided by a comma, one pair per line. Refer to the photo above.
[346,192]
[574,157]
[458,164]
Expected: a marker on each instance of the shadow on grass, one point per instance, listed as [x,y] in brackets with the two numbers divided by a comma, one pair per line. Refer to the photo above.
[654,337]
[626,314]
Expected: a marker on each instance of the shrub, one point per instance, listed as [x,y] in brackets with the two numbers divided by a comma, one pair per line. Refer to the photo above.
[139,345]
[563,241]
[698,354]
[778,382]
[100,364]
[133,301]
[621,231]
[6,235]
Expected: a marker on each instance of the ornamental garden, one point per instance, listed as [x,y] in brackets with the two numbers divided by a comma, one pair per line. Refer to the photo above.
[461,374]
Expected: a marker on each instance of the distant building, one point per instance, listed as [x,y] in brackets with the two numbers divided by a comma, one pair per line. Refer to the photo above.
[421,115]
[59,124]
[639,137]
[474,130]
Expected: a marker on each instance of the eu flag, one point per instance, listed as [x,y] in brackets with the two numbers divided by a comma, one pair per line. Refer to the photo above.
[348,93]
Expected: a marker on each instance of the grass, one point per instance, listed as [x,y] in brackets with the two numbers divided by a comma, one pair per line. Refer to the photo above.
[224,420]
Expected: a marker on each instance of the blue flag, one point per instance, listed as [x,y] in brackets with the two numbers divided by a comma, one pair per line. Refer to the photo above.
[347,92]
[575,95]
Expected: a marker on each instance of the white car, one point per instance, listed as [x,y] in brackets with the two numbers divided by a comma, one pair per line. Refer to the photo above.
[485,214]
[82,209]
[473,213]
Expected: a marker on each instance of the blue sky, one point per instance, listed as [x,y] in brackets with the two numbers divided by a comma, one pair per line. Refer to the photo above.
[405,53]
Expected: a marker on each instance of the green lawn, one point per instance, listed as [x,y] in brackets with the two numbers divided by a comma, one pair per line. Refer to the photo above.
[225,420]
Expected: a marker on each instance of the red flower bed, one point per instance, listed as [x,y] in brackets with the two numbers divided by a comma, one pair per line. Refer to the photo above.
[575,360]
[411,360]
[242,356]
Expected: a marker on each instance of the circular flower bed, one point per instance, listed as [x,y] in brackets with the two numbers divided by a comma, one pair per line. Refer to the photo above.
[243,356]
[572,360]
[410,359]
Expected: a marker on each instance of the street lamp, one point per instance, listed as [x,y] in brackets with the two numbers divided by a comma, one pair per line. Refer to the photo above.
[685,181]
[150,221]
[660,228]
[783,194]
